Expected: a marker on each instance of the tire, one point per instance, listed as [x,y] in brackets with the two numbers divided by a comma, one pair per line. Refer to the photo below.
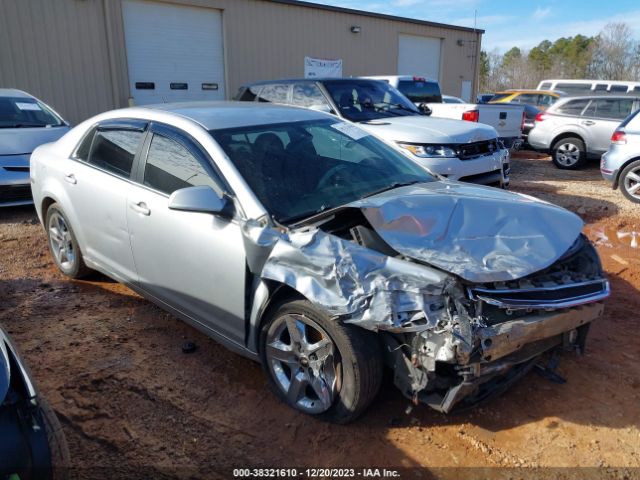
[58,448]
[630,180]
[351,373]
[569,153]
[63,244]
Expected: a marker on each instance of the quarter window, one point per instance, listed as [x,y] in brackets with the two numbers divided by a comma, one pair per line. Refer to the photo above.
[170,166]
[573,107]
[113,150]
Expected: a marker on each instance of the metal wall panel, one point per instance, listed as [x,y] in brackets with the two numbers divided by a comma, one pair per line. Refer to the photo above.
[72,54]
[57,51]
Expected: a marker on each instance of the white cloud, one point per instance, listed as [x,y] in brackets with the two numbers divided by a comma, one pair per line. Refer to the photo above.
[541,13]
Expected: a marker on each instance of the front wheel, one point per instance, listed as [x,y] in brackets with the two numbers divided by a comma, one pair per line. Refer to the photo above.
[630,181]
[318,365]
[569,153]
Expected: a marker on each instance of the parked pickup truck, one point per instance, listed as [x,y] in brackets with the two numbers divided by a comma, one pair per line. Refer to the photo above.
[452,148]
[506,119]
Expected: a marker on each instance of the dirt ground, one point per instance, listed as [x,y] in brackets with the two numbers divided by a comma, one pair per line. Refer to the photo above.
[133,405]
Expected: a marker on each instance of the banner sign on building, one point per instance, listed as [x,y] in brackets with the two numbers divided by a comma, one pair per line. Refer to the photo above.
[320,67]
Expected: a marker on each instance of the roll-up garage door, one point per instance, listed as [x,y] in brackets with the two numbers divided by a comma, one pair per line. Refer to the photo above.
[419,56]
[174,53]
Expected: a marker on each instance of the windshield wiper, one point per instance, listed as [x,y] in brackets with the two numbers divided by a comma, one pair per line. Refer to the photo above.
[393,186]
[399,106]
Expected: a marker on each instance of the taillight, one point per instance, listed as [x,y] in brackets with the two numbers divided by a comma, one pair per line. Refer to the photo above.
[419,79]
[471,115]
[619,138]
[541,116]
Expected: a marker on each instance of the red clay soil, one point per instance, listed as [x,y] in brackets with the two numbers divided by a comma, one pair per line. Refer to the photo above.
[133,405]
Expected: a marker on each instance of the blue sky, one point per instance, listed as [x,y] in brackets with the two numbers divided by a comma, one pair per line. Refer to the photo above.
[511,23]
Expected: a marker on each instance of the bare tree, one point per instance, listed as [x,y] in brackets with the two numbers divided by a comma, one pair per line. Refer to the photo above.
[616,55]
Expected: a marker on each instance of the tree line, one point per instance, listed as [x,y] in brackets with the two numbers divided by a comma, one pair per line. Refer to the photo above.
[613,54]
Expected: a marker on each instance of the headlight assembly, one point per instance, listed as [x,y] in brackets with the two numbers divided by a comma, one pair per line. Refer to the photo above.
[429,151]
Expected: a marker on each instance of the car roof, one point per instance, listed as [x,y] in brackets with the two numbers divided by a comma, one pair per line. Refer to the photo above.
[524,90]
[595,97]
[311,80]
[13,92]
[221,115]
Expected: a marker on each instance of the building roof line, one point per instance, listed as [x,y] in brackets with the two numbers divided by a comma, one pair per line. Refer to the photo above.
[384,16]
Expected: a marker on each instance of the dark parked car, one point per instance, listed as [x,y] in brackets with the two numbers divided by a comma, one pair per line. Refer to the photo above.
[32,445]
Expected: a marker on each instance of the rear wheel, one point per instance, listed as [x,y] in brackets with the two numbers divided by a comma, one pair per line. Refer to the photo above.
[63,244]
[569,153]
[318,365]
[630,181]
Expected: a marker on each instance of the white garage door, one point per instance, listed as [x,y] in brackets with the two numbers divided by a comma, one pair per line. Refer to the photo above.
[174,53]
[419,56]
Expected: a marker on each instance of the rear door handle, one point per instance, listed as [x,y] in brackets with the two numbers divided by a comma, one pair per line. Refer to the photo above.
[141,208]
[70,178]
[588,123]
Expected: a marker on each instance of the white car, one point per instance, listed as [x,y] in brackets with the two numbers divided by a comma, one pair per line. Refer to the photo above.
[506,119]
[457,150]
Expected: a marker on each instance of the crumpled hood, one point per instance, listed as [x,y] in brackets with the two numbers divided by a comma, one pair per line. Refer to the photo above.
[421,129]
[16,141]
[481,234]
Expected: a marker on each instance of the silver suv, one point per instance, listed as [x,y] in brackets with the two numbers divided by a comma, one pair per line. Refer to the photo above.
[577,128]
[620,164]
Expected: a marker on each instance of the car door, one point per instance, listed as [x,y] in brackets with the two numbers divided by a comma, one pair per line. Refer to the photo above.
[97,185]
[194,262]
[602,117]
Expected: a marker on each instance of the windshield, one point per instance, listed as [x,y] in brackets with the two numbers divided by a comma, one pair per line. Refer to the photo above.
[420,91]
[303,168]
[23,112]
[362,100]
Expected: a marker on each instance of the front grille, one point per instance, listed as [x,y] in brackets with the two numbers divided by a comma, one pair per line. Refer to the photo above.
[468,151]
[14,193]
[493,178]
[563,296]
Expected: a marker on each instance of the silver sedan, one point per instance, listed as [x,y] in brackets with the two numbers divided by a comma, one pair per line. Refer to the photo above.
[302,241]
[25,123]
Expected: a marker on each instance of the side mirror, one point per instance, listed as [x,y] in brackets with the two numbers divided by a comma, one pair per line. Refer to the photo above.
[425,109]
[201,199]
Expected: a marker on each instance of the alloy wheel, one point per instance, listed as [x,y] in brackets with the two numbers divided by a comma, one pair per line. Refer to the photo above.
[567,154]
[632,182]
[304,362]
[61,242]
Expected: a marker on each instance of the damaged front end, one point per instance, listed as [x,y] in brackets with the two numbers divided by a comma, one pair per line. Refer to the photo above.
[463,306]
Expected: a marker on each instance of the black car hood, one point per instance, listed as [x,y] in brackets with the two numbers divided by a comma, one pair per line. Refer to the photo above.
[481,234]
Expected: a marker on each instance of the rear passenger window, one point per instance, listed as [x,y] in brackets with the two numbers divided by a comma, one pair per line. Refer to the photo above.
[170,167]
[113,150]
[572,107]
[307,95]
[616,109]
[275,93]
[574,87]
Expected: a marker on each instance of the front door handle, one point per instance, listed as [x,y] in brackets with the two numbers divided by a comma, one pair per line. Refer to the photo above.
[141,208]
[70,178]
[588,123]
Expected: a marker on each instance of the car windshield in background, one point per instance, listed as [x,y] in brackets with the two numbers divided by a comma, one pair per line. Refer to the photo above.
[24,112]
[365,100]
[420,91]
[304,168]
